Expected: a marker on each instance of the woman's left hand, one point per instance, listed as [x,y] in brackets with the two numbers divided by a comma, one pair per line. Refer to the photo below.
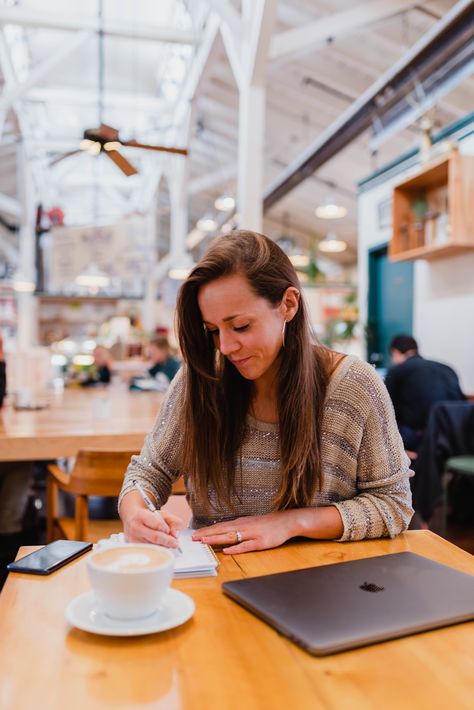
[253,532]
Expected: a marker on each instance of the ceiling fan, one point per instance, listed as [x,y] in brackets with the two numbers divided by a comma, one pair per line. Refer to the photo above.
[105,139]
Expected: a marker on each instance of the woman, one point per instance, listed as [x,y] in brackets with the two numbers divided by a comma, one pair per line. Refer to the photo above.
[277,437]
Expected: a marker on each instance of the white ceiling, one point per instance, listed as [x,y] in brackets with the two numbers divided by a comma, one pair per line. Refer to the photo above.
[306,92]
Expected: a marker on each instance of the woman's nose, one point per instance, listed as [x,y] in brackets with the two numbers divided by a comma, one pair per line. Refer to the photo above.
[228,343]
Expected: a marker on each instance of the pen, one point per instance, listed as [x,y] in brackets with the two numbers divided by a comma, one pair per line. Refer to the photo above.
[149,503]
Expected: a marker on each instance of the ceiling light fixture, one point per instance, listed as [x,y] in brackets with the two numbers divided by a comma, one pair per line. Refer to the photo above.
[23,283]
[299,261]
[330,210]
[93,278]
[331,244]
[207,223]
[182,267]
[224,203]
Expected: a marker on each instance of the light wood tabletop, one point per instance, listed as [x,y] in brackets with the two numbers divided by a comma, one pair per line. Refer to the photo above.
[224,657]
[92,417]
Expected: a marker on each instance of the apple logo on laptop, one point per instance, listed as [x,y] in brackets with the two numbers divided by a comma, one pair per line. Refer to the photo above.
[370,587]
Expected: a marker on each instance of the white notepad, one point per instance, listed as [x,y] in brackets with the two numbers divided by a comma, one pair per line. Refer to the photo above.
[196,558]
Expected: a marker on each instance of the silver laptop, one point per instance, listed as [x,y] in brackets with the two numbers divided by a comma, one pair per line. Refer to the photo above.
[341,606]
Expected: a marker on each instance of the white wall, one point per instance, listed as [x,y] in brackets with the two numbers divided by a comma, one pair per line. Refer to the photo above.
[443,317]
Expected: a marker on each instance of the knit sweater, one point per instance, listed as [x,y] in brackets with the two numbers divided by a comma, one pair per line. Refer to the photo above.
[365,469]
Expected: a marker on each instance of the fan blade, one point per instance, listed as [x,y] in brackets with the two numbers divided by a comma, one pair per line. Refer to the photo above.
[135,144]
[121,162]
[63,156]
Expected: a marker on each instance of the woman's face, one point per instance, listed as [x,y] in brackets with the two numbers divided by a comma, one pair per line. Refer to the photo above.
[247,329]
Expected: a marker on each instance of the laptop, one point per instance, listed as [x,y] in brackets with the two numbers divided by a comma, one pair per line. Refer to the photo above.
[341,606]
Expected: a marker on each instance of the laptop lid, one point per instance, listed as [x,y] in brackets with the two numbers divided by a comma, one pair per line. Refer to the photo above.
[341,606]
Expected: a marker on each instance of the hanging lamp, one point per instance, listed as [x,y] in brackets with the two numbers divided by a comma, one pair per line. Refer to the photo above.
[332,244]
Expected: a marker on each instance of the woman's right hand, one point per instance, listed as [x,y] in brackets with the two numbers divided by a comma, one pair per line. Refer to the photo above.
[158,528]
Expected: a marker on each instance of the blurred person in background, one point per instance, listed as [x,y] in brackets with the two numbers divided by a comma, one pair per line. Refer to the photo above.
[101,370]
[161,359]
[414,385]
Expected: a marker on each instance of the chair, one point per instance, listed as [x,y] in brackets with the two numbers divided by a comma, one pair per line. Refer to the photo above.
[95,473]
[449,433]
[455,466]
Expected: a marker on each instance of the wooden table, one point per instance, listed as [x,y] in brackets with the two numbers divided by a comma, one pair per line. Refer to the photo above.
[77,418]
[224,657]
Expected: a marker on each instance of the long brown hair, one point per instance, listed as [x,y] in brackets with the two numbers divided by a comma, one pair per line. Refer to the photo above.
[217,397]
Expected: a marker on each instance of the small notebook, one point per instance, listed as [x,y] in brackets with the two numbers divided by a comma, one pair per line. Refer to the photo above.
[195,559]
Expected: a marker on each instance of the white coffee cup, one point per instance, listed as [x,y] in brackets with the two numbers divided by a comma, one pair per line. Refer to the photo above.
[130,579]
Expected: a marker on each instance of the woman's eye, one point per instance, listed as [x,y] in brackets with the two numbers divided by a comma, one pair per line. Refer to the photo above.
[212,332]
[241,328]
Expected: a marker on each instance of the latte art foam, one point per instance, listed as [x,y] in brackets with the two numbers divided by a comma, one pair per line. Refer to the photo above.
[134,560]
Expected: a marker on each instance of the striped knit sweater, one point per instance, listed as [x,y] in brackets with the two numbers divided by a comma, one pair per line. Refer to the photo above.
[366,471]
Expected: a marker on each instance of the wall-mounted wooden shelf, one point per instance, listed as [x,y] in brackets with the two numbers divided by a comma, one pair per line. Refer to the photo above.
[433,211]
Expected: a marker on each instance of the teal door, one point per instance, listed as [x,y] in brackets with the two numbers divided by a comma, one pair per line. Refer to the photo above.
[390,308]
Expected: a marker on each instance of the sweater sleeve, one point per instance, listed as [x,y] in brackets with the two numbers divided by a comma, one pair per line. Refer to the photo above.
[382,505]
[159,463]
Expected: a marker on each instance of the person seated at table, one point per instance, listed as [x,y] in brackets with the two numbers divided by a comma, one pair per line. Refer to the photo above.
[414,385]
[163,366]
[101,370]
[161,359]
[276,435]
[15,481]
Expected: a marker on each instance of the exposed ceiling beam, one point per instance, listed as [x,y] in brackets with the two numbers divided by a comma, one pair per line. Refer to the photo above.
[8,147]
[210,180]
[232,45]
[24,17]
[151,174]
[81,180]
[227,14]
[314,34]
[7,248]
[10,96]
[434,50]
[10,205]
[84,97]
[189,88]
[261,31]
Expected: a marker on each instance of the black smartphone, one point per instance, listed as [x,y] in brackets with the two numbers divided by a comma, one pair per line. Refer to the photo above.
[51,557]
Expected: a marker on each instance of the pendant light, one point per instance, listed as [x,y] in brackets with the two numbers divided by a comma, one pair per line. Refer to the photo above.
[207,223]
[331,244]
[330,210]
[182,267]
[225,202]
[22,283]
[93,278]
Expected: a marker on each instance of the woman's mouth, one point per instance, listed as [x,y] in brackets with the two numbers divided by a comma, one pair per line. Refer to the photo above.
[240,361]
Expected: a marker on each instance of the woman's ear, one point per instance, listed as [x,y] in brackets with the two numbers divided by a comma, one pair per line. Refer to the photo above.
[290,303]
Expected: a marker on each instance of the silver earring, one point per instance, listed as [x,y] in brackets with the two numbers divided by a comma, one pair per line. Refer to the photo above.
[283,334]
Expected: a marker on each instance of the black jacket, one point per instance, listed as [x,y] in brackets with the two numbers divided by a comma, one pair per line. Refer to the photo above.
[415,385]
[449,432]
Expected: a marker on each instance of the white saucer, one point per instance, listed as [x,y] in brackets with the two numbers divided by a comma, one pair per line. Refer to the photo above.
[82,612]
